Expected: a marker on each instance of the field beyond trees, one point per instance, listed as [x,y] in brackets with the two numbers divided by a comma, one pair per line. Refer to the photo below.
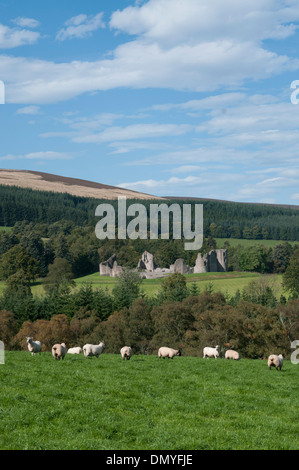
[187,403]
[227,283]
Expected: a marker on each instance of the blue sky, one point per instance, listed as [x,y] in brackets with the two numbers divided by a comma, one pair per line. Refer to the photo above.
[167,97]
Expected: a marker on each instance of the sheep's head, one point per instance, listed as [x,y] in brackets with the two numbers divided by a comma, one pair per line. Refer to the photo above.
[28,339]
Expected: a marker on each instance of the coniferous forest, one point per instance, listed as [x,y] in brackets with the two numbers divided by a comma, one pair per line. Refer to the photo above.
[221,219]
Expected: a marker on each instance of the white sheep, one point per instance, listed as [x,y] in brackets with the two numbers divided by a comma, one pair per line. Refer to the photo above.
[59,351]
[231,354]
[34,346]
[93,349]
[275,361]
[168,352]
[77,350]
[126,352]
[211,352]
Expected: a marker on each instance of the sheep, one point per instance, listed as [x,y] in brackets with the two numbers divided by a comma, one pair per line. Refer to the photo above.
[34,346]
[59,351]
[230,354]
[168,352]
[275,361]
[75,350]
[126,353]
[93,350]
[211,352]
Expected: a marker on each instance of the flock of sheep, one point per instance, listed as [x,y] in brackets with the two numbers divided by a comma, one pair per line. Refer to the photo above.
[59,351]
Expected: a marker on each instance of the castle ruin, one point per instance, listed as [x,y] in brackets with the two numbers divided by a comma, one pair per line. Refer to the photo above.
[214,261]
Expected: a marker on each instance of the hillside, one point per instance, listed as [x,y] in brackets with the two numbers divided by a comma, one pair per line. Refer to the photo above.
[45,198]
[60,184]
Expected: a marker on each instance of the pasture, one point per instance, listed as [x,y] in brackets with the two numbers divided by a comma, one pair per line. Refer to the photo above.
[226,282]
[187,403]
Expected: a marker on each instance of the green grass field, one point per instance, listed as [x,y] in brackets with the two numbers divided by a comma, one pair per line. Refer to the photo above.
[187,403]
[227,283]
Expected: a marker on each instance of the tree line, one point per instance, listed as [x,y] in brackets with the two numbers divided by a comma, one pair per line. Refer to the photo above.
[253,321]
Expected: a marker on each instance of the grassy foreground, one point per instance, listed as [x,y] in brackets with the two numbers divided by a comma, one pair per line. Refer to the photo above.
[185,404]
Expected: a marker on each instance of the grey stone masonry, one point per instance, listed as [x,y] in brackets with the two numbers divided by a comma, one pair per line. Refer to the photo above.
[214,261]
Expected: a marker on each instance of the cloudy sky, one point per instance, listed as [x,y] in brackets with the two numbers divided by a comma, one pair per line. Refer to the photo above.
[167,97]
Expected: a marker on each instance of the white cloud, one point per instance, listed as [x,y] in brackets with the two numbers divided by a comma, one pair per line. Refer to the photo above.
[14,37]
[178,45]
[268,189]
[48,155]
[30,23]
[209,103]
[44,155]
[210,184]
[186,169]
[152,184]
[80,26]
[29,110]
[253,119]
[173,21]
[135,131]
[120,147]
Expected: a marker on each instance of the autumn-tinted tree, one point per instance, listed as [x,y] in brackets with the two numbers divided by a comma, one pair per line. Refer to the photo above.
[114,332]
[49,332]
[140,326]
[8,328]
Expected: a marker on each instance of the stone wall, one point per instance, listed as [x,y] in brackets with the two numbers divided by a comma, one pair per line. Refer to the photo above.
[214,261]
[110,267]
